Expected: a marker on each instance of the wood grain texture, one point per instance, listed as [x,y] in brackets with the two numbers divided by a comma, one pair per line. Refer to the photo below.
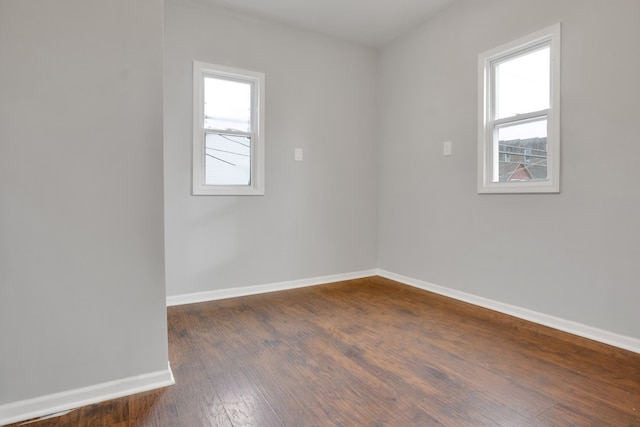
[373,352]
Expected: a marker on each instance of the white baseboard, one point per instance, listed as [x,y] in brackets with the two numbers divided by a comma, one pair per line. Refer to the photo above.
[71,399]
[579,329]
[261,289]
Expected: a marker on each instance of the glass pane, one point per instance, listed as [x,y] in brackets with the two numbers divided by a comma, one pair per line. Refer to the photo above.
[522,151]
[522,84]
[227,105]
[227,159]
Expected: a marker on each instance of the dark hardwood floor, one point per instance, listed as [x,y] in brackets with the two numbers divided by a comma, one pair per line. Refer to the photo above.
[373,352]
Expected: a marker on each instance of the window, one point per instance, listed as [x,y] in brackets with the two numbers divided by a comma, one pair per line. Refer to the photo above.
[228,131]
[519,115]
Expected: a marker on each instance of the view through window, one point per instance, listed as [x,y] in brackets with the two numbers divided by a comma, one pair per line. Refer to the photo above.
[522,86]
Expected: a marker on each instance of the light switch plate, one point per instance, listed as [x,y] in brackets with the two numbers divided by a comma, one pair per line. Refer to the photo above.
[446,150]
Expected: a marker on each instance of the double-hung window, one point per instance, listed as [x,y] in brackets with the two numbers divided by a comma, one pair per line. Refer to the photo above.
[519,115]
[228,131]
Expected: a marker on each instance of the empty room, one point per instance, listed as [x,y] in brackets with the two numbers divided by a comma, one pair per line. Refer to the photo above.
[319,213]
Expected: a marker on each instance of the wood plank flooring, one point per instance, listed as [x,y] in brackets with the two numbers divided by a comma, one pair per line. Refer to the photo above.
[373,352]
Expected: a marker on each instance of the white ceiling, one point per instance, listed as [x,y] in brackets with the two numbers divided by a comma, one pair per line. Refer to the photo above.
[368,22]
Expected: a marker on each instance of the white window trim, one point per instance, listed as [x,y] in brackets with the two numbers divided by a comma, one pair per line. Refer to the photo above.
[200,70]
[486,129]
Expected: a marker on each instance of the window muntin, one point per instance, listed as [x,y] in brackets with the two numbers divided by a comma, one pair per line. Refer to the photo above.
[518,141]
[228,146]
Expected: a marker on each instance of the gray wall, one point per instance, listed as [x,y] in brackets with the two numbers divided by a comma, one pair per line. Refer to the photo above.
[82,296]
[318,216]
[81,251]
[573,255]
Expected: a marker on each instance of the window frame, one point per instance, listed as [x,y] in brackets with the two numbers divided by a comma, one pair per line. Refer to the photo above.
[488,125]
[201,70]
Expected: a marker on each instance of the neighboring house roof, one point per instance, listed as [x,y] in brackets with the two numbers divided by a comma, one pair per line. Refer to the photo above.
[520,174]
[523,159]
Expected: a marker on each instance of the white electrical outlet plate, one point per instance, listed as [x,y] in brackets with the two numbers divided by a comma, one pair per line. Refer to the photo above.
[298,154]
